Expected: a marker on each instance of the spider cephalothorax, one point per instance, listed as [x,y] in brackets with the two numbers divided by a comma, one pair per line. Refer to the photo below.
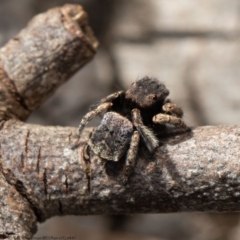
[131,115]
[147,92]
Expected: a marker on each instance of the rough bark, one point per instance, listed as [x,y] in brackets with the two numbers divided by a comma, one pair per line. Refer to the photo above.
[33,64]
[44,55]
[197,171]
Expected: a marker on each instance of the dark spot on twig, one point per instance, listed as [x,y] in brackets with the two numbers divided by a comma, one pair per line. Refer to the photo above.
[26,142]
[87,162]
[60,207]
[45,181]
[22,160]
[38,160]
[66,184]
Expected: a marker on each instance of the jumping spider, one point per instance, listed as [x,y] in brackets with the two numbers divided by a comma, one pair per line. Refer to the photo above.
[137,113]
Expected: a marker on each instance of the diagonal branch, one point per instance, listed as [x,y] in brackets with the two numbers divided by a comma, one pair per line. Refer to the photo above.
[41,57]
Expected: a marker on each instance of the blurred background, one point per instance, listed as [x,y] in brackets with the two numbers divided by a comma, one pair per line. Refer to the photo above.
[192,46]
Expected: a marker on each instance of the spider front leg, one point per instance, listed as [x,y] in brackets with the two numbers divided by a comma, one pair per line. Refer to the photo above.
[131,156]
[148,136]
[90,115]
[103,105]
[173,120]
[171,108]
[108,98]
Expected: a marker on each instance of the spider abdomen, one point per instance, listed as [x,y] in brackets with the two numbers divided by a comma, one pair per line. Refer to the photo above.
[111,138]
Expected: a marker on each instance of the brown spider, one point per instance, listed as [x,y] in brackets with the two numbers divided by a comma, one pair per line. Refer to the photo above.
[137,113]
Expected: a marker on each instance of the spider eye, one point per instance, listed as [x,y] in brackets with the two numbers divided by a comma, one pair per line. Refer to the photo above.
[154,97]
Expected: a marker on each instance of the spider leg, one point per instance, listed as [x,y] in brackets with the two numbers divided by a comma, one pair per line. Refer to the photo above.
[90,115]
[103,105]
[176,121]
[109,98]
[131,156]
[172,109]
[148,136]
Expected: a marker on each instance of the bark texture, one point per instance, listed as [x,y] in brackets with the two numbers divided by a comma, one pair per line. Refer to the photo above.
[197,171]
[33,64]
[42,56]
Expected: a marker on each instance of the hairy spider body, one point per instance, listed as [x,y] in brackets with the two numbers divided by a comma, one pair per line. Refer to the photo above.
[137,113]
[112,137]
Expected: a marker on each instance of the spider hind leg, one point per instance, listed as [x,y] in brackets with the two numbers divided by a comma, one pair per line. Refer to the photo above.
[131,156]
[146,133]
